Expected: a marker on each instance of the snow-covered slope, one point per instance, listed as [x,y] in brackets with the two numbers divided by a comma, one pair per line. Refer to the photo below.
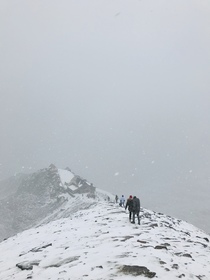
[43,196]
[100,243]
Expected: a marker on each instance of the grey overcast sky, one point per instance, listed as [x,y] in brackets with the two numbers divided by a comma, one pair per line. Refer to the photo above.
[117,90]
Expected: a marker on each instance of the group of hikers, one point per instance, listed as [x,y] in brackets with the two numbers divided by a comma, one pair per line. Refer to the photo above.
[133,205]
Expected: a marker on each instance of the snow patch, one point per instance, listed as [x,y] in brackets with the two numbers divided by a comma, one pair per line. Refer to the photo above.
[73,187]
[65,175]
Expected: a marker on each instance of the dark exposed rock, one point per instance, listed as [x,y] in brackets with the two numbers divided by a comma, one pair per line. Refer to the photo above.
[187,255]
[205,238]
[126,238]
[178,253]
[137,270]
[204,245]
[154,225]
[99,266]
[62,271]
[167,269]
[172,227]
[36,249]
[187,233]
[175,266]
[159,247]
[83,186]
[27,265]
[39,249]
[166,244]
[142,241]
[200,277]
[168,238]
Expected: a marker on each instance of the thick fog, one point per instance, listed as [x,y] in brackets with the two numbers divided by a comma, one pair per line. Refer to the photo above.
[119,91]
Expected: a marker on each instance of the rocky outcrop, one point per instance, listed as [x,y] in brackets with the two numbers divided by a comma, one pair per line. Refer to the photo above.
[28,199]
[27,265]
[137,270]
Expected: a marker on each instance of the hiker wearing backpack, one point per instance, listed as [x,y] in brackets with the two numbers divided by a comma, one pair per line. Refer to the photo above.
[136,209]
[129,205]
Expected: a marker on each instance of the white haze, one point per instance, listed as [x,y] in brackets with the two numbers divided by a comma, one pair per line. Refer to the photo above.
[116,90]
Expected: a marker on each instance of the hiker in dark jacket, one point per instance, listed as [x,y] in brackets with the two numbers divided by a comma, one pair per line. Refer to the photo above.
[129,205]
[136,209]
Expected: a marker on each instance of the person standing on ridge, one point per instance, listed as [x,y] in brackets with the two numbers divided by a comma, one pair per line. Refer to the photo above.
[129,205]
[136,209]
[116,198]
[122,201]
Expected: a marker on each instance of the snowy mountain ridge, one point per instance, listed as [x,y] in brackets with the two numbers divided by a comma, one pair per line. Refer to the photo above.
[29,199]
[71,230]
[100,243]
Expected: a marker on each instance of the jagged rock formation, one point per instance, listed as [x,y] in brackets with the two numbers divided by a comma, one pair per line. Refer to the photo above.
[28,199]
